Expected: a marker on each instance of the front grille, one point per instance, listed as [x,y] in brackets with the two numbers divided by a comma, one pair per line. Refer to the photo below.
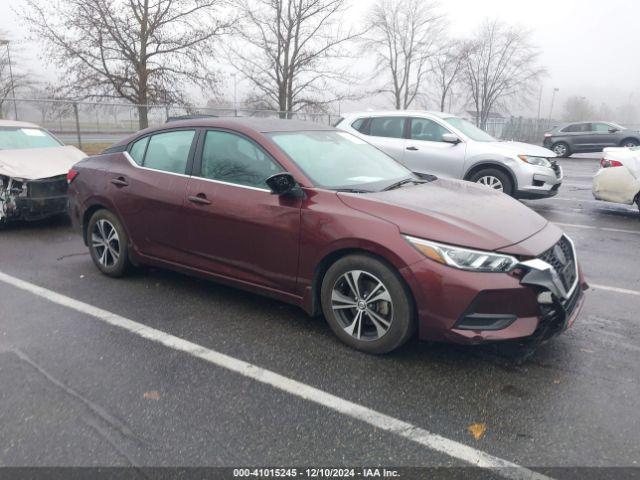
[48,187]
[562,258]
[556,168]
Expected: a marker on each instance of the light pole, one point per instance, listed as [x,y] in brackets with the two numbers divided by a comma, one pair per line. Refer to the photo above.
[553,97]
[235,95]
[13,91]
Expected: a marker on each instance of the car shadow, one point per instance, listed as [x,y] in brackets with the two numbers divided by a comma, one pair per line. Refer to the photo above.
[56,222]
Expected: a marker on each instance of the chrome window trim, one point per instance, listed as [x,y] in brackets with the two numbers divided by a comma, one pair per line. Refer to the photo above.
[134,164]
[231,184]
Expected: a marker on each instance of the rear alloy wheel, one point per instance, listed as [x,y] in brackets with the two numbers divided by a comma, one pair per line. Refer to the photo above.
[494,179]
[367,305]
[561,149]
[108,243]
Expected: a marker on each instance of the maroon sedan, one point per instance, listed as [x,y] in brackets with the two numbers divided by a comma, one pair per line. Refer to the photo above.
[316,217]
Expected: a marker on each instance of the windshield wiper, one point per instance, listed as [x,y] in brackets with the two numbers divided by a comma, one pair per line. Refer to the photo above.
[352,190]
[404,182]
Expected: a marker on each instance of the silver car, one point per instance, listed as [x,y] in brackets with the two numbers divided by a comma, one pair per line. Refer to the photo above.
[447,146]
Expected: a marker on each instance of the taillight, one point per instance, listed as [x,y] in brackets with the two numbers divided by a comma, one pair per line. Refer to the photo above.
[71,175]
[604,163]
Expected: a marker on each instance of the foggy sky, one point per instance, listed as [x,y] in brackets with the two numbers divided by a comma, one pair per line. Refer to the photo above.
[589,47]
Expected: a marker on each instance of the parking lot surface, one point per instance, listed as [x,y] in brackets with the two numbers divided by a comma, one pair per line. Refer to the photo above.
[79,390]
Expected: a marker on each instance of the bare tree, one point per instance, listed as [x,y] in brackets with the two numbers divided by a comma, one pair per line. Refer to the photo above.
[447,65]
[578,108]
[12,78]
[142,51]
[502,66]
[403,36]
[289,50]
[50,101]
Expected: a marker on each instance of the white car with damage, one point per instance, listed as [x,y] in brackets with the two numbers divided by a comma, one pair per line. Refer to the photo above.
[618,180]
[33,172]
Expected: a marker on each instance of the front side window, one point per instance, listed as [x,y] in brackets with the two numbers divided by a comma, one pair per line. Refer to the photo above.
[601,127]
[169,151]
[339,160]
[21,138]
[231,158]
[427,130]
[390,127]
[359,124]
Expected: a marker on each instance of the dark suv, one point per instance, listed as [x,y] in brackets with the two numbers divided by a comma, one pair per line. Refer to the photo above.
[585,137]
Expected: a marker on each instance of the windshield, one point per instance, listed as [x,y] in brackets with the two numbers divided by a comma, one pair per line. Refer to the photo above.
[19,138]
[341,161]
[469,129]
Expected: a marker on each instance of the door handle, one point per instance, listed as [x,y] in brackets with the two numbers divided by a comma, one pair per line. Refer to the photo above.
[120,182]
[413,149]
[200,199]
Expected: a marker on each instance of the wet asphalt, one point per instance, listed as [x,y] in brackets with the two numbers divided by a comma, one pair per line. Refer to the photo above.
[75,391]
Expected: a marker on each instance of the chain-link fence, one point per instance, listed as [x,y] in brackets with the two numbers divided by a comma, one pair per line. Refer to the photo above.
[84,123]
[101,123]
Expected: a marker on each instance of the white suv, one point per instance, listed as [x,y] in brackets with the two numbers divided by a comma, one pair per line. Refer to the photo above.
[447,146]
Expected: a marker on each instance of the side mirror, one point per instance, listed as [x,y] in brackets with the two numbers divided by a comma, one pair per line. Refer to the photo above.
[613,130]
[283,184]
[450,138]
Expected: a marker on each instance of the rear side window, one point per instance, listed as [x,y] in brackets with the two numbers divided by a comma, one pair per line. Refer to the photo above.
[138,149]
[576,127]
[391,127]
[169,152]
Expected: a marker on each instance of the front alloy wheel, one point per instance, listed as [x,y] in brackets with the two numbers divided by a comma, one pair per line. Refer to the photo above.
[491,182]
[362,304]
[367,304]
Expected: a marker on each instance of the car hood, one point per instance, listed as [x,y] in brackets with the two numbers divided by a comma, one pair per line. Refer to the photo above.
[34,163]
[519,148]
[453,212]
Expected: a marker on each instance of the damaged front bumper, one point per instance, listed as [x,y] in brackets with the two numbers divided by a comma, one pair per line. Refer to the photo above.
[556,278]
[32,199]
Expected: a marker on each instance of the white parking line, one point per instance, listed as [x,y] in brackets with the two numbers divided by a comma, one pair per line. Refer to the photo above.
[591,227]
[615,289]
[374,418]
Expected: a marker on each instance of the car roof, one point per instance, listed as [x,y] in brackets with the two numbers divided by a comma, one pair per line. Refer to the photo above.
[262,125]
[13,123]
[398,113]
[259,125]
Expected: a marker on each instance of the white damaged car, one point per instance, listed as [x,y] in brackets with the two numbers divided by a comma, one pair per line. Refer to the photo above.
[33,172]
[618,180]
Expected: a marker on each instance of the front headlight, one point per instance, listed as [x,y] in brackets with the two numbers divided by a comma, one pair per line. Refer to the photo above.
[539,161]
[463,258]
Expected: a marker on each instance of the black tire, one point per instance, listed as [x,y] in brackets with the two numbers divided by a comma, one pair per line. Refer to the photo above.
[400,312]
[483,175]
[118,266]
[563,148]
[629,142]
